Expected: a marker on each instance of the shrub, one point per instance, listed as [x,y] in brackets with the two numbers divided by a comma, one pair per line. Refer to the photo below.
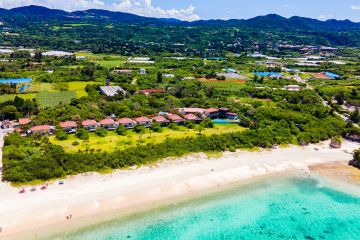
[75,143]
[82,134]
[101,132]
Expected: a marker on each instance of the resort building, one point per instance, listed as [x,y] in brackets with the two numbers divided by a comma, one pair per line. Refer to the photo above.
[123,71]
[193,118]
[57,54]
[69,126]
[212,113]
[292,88]
[42,129]
[109,124]
[161,119]
[127,122]
[112,91]
[232,116]
[90,125]
[175,118]
[146,122]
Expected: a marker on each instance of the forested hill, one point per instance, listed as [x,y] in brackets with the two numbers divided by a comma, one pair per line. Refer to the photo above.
[106,31]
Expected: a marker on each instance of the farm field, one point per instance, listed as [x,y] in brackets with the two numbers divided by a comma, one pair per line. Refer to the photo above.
[232,85]
[115,142]
[105,60]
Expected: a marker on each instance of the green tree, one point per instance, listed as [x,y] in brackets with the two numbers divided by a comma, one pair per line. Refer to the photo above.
[121,130]
[82,134]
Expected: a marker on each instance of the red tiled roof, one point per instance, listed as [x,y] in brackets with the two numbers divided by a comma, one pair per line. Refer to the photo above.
[160,119]
[68,124]
[107,121]
[124,121]
[174,117]
[24,121]
[192,110]
[142,119]
[191,117]
[320,75]
[212,110]
[19,130]
[89,123]
[41,128]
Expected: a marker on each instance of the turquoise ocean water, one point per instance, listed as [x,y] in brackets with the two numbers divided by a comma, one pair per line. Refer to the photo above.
[286,208]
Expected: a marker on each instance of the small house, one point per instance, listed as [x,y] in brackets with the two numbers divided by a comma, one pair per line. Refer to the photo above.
[24,121]
[292,88]
[161,120]
[69,126]
[146,122]
[127,122]
[42,129]
[109,124]
[111,91]
[90,125]
[151,91]
[232,116]
[175,118]
[212,113]
[192,118]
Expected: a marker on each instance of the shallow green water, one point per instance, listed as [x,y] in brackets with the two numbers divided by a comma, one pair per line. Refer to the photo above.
[289,208]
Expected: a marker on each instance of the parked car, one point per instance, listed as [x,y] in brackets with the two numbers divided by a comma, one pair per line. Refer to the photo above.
[22,190]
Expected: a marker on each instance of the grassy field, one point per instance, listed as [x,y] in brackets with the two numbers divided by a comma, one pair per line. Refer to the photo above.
[114,141]
[47,96]
[105,60]
[224,85]
[51,99]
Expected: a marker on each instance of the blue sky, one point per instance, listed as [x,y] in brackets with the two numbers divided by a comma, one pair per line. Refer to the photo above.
[209,9]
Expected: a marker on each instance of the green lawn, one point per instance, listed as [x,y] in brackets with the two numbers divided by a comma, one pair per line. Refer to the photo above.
[114,141]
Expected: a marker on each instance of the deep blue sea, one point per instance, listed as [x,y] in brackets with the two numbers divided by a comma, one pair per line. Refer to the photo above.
[285,208]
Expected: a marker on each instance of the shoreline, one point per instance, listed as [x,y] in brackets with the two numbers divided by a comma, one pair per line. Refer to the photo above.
[93,198]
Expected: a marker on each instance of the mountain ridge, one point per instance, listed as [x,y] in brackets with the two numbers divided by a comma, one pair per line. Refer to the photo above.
[265,21]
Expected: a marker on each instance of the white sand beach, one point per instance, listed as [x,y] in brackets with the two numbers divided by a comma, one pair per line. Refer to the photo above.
[87,197]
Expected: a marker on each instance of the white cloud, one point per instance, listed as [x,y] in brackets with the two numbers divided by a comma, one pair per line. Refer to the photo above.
[140,7]
[355,7]
[324,17]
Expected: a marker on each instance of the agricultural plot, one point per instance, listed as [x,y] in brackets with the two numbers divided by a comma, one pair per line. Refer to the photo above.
[224,85]
[51,99]
[105,60]
[10,97]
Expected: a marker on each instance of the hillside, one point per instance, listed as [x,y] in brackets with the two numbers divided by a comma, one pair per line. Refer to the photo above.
[117,32]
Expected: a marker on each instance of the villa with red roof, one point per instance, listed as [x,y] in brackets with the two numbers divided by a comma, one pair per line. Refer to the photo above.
[175,118]
[161,119]
[90,125]
[192,117]
[69,126]
[127,122]
[109,124]
[146,122]
[24,121]
[212,112]
[42,129]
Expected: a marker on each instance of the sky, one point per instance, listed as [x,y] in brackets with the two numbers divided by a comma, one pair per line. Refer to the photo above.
[191,10]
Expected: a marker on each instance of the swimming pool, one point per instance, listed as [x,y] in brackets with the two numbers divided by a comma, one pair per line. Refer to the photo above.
[267,74]
[225,121]
[15,80]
